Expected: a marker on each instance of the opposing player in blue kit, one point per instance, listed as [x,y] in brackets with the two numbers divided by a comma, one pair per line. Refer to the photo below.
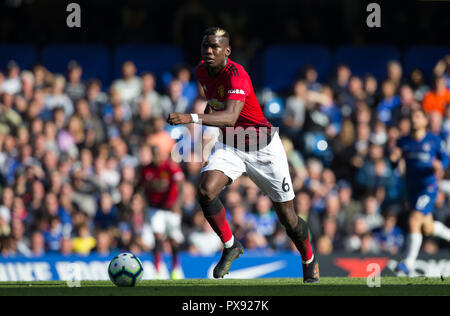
[425,158]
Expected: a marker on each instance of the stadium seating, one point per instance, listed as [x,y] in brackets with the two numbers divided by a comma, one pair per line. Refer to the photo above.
[367,59]
[424,58]
[24,54]
[282,64]
[158,59]
[95,59]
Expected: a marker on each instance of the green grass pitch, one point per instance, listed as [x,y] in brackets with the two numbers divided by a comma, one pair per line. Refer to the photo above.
[236,287]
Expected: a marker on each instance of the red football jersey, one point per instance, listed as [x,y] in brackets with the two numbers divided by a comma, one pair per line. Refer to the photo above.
[233,83]
[161,184]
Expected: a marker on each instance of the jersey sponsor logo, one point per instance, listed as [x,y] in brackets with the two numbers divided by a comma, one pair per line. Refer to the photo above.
[216,104]
[236,91]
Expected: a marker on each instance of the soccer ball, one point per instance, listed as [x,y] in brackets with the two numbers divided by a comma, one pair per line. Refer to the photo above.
[125,269]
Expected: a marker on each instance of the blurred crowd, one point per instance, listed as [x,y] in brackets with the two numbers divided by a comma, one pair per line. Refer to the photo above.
[71,154]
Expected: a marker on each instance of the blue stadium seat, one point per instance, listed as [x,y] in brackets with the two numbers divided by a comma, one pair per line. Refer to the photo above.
[94,59]
[282,64]
[25,55]
[424,58]
[159,59]
[367,59]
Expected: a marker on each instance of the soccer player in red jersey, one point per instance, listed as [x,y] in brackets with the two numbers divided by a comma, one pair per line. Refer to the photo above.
[248,144]
[161,181]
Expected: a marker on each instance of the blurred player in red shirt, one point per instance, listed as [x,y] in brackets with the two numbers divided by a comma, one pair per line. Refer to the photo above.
[248,144]
[161,181]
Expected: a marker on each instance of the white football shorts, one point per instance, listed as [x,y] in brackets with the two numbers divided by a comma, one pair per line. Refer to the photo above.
[167,223]
[267,167]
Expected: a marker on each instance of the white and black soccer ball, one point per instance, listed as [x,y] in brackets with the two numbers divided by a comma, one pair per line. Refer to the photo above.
[125,269]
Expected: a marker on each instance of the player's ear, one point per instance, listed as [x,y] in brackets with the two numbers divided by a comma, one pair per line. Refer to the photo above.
[228,51]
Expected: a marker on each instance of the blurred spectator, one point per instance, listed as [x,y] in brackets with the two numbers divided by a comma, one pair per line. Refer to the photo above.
[129,86]
[58,98]
[5,219]
[95,97]
[303,209]
[330,231]
[264,220]
[54,235]
[343,148]
[442,208]
[103,244]
[390,236]
[83,243]
[294,115]
[75,88]
[159,137]
[430,246]
[354,240]
[442,68]
[368,245]
[341,81]
[150,94]
[324,246]
[37,244]
[28,81]
[350,208]
[18,230]
[408,103]
[438,98]
[174,101]
[66,246]
[418,85]
[371,90]
[355,93]
[183,74]
[203,240]
[310,75]
[390,100]
[372,214]
[394,73]
[240,223]
[256,241]
[11,84]
[106,215]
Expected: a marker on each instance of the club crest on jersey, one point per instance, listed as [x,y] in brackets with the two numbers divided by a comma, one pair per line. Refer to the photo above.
[426,147]
[216,104]
[221,91]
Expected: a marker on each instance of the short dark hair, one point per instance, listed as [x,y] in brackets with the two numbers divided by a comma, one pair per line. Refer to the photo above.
[421,110]
[217,31]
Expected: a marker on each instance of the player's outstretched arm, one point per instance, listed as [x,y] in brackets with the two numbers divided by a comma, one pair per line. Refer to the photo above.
[225,118]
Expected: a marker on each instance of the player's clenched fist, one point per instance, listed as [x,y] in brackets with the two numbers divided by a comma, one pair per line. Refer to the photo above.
[179,118]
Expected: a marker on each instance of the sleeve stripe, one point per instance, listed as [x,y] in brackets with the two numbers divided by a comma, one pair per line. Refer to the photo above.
[232,70]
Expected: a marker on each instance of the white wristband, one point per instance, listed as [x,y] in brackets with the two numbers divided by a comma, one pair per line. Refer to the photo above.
[194,118]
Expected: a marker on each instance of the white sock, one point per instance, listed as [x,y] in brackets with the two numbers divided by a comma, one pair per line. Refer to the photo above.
[441,231]
[309,261]
[229,243]
[415,242]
